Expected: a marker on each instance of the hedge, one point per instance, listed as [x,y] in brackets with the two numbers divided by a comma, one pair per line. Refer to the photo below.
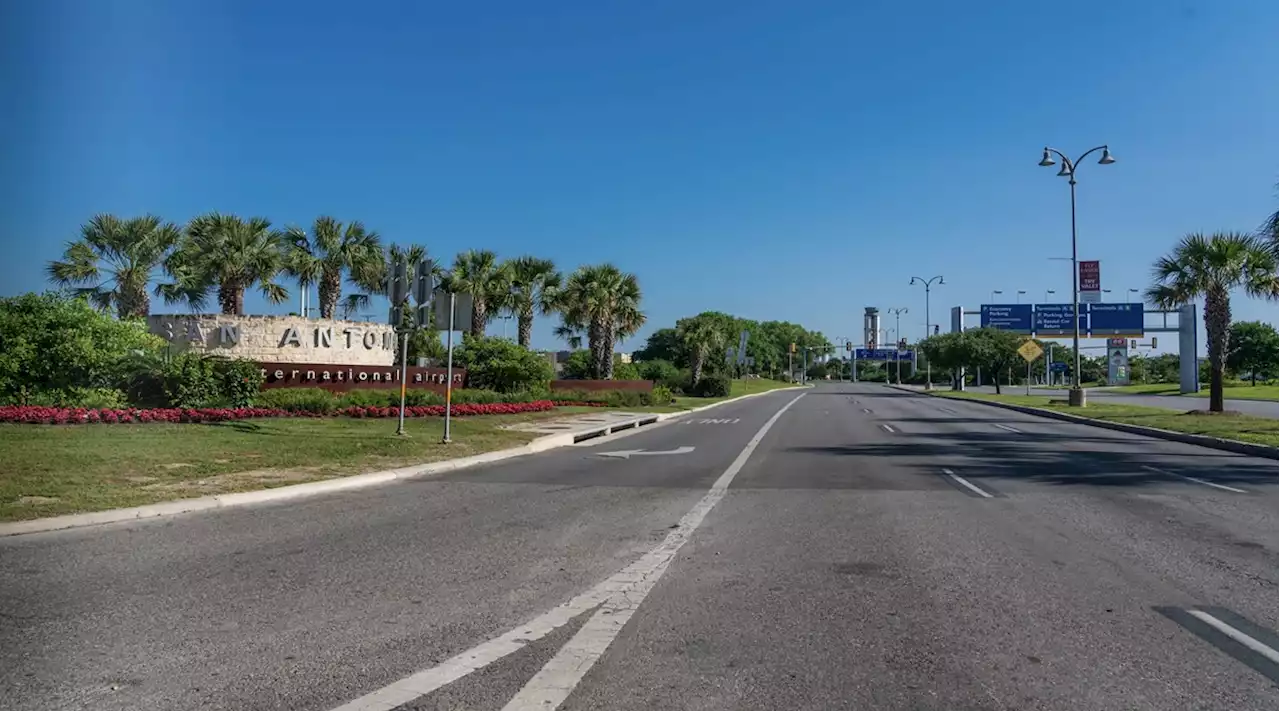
[26,414]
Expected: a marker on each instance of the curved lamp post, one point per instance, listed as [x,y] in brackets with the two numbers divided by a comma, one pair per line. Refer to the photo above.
[1076,396]
[928,284]
[897,325]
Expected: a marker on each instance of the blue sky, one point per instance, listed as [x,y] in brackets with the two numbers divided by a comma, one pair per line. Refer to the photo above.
[772,159]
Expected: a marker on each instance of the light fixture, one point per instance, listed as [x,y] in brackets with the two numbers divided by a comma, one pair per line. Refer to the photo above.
[1064,173]
[1106,158]
[1047,160]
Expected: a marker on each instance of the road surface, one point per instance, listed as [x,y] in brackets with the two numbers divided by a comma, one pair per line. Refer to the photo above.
[847,546]
[1257,408]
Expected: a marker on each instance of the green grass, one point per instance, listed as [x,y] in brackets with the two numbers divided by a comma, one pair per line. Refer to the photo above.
[49,470]
[738,389]
[1232,391]
[1244,428]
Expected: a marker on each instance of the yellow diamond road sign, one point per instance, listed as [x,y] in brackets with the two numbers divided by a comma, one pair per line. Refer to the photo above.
[1029,351]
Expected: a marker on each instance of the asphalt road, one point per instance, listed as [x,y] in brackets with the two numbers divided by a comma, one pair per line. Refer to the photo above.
[1257,408]
[849,547]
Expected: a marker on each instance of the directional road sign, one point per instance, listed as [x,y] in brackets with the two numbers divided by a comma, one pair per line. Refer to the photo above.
[1006,317]
[882,354]
[1055,320]
[1115,320]
[1058,367]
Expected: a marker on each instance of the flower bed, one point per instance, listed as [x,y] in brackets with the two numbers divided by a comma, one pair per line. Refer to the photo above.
[20,414]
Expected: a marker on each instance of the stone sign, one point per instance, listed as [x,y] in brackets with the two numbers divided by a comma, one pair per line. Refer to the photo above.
[279,339]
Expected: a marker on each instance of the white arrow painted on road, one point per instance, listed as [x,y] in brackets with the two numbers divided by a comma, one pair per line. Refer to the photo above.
[629,453]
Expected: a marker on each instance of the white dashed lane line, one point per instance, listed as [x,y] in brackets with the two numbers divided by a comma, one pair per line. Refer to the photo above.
[967,484]
[1007,427]
[1194,479]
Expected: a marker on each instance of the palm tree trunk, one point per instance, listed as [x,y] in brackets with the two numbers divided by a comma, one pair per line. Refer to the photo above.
[479,317]
[133,303]
[1217,328]
[231,298]
[524,328]
[696,367]
[595,343]
[330,289]
[608,353]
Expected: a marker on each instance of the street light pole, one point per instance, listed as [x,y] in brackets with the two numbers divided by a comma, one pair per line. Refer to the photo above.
[897,325]
[1075,396]
[928,283]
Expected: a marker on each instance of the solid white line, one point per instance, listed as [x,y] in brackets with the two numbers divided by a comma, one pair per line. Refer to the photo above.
[1006,427]
[1198,481]
[1235,634]
[555,681]
[888,428]
[648,567]
[966,483]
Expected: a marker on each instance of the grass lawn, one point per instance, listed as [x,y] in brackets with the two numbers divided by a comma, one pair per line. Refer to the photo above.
[49,470]
[1232,391]
[1258,430]
[739,388]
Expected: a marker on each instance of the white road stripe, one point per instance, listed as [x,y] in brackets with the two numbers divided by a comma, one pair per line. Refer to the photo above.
[553,684]
[1235,634]
[1198,481]
[967,484]
[866,411]
[643,572]
[1006,427]
[888,428]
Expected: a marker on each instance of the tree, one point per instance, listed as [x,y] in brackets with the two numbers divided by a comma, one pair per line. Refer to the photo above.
[535,284]
[578,366]
[1209,268]
[478,273]
[601,303]
[663,344]
[1255,349]
[55,346]
[226,253]
[702,339]
[112,262]
[332,251]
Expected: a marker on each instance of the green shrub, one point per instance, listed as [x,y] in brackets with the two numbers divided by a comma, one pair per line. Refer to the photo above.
[89,398]
[659,371]
[471,396]
[500,365]
[53,345]
[421,398]
[578,366]
[627,398]
[626,371]
[370,398]
[661,395]
[712,386]
[579,396]
[191,380]
[239,381]
[313,400]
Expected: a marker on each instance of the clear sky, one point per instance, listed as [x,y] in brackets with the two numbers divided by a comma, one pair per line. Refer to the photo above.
[773,159]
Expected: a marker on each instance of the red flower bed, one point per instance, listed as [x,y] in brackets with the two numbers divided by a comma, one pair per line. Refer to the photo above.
[33,415]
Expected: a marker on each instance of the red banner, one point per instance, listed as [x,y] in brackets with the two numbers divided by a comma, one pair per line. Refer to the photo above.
[1090,276]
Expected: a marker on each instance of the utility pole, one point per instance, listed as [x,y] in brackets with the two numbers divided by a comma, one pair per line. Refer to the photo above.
[897,327]
[928,284]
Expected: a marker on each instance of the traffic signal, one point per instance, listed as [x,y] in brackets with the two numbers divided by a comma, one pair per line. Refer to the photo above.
[1133,344]
[1153,341]
[935,329]
[849,346]
[793,348]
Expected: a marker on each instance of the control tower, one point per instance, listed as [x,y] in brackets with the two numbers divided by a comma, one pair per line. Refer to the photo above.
[871,327]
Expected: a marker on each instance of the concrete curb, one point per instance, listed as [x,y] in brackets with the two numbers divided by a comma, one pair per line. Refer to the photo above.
[356,481]
[1226,445]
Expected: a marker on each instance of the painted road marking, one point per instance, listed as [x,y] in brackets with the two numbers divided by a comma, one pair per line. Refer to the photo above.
[1006,427]
[1198,481]
[1236,636]
[711,421]
[649,568]
[888,428]
[629,453]
[949,411]
[555,681]
[967,484]
[866,410]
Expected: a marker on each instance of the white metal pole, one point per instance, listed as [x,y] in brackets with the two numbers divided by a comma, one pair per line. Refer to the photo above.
[448,383]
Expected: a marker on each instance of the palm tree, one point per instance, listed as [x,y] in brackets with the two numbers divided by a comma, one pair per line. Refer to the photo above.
[701,338]
[1209,268]
[535,284]
[226,253]
[332,250]
[112,262]
[602,303]
[478,273]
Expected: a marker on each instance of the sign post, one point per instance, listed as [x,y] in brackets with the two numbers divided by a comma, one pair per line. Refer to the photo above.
[1029,350]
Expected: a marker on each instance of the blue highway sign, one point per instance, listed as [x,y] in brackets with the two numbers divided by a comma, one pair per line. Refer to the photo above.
[1006,317]
[1058,367]
[1055,320]
[882,354]
[1115,320]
